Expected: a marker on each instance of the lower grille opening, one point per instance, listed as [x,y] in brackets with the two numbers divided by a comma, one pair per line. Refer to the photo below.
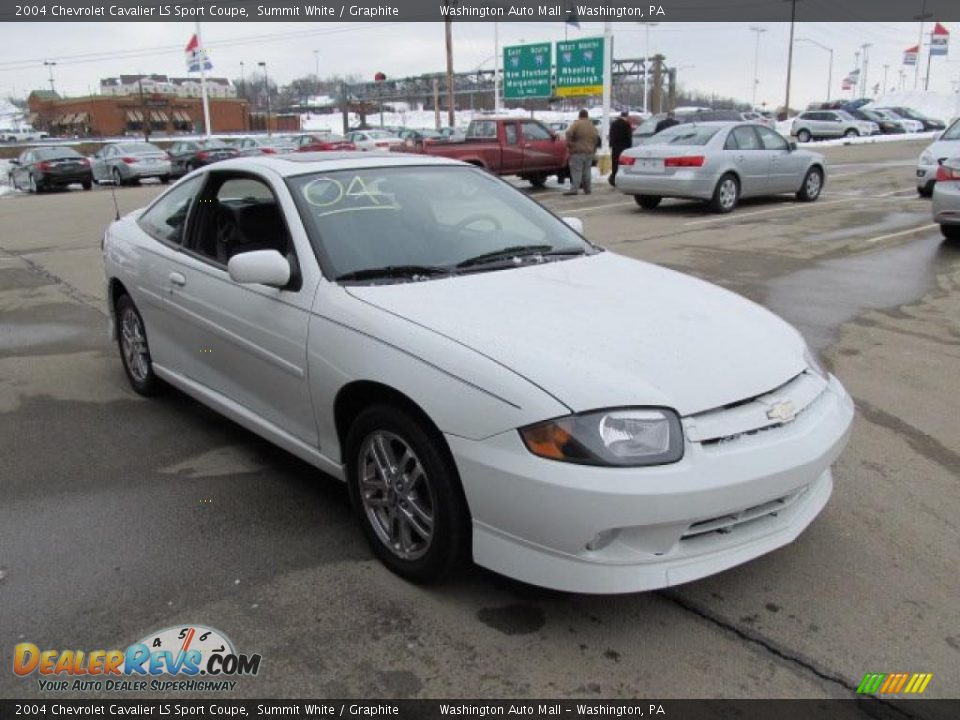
[725,524]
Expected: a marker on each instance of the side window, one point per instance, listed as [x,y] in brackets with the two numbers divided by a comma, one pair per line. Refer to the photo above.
[535,131]
[483,129]
[26,158]
[746,138]
[510,132]
[243,216]
[771,140]
[731,143]
[166,220]
[831,117]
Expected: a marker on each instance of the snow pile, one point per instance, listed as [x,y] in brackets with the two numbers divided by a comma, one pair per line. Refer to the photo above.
[940,106]
[4,178]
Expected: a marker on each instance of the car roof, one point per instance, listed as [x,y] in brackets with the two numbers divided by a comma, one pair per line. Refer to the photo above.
[311,162]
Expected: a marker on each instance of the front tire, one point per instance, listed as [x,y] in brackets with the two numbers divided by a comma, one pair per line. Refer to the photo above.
[812,185]
[537,181]
[407,493]
[851,133]
[88,185]
[134,349]
[925,191]
[804,136]
[725,194]
[117,177]
[647,202]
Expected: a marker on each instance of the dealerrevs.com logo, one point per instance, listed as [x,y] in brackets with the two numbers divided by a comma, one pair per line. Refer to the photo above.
[181,659]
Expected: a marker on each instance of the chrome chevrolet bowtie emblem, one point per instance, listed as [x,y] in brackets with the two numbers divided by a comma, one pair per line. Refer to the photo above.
[783,411]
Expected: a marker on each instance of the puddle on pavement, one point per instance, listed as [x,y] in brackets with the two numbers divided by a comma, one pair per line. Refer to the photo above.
[890,223]
[818,300]
[17,337]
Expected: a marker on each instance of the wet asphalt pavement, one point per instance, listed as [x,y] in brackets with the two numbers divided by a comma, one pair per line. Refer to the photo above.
[119,516]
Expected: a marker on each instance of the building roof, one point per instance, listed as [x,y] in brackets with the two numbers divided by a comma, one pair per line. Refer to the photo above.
[45,94]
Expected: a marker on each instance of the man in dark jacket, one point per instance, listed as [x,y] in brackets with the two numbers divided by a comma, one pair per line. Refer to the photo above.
[621,138]
[668,122]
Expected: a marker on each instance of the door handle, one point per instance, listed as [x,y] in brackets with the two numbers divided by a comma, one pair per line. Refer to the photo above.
[177,279]
[739,158]
[528,145]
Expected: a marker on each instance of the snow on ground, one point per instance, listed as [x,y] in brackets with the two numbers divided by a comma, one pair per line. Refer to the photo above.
[4,174]
[941,106]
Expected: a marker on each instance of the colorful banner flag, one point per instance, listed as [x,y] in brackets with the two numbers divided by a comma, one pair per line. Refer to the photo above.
[910,55]
[196,56]
[939,40]
[847,83]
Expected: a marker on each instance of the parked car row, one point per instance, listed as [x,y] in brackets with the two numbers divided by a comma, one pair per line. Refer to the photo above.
[853,119]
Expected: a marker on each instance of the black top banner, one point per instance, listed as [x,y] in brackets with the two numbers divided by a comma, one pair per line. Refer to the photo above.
[481,10]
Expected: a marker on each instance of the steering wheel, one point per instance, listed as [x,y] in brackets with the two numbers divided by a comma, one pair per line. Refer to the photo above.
[479,217]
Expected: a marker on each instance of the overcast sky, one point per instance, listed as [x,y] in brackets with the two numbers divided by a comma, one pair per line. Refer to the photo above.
[714,57]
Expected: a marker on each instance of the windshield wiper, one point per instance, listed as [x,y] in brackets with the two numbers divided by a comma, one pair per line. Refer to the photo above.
[515,251]
[395,271]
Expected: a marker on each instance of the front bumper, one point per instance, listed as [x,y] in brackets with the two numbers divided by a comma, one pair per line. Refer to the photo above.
[648,528]
[681,184]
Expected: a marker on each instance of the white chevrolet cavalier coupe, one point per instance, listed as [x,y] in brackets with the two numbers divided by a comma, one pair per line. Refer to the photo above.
[487,382]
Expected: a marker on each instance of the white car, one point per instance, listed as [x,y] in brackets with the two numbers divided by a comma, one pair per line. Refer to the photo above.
[373,139]
[946,145]
[486,381]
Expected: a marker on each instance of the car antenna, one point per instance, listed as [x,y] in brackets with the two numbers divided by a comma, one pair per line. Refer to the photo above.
[113,190]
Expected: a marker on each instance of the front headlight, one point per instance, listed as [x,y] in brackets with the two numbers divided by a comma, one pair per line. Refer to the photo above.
[624,437]
[926,159]
[813,362]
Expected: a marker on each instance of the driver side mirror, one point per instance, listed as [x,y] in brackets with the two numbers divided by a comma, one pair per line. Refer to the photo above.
[575,223]
[263,267]
[14,162]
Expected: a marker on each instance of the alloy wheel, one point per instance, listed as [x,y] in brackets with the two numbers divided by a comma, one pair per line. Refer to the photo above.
[813,184]
[133,342]
[398,498]
[728,193]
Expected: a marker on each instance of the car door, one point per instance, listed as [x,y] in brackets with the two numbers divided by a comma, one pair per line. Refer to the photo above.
[749,158]
[512,150]
[246,343]
[785,167]
[539,146]
[832,125]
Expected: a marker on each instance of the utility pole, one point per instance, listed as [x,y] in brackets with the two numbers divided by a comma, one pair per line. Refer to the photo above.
[436,104]
[49,66]
[885,68]
[451,98]
[756,63]
[863,74]
[143,109]
[496,67]
[793,20]
[924,15]
[266,87]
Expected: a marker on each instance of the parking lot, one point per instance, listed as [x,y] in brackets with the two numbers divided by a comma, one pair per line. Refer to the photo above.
[119,516]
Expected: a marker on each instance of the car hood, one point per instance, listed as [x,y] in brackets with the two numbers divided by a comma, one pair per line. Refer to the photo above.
[605,330]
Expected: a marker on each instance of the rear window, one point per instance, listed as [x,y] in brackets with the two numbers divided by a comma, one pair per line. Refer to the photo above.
[49,152]
[138,148]
[952,132]
[687,134]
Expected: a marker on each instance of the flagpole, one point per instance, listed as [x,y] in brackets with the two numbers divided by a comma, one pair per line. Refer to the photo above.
[926,80]
[203,84]
[496,67]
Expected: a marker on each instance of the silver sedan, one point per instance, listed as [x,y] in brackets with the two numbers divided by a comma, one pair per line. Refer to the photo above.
[946,198]
[719,162]
[129,162]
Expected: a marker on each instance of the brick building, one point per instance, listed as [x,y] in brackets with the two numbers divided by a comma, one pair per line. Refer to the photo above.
[108,115]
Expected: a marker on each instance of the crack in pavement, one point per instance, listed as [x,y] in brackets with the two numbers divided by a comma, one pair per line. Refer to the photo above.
[783,653]
[71,291]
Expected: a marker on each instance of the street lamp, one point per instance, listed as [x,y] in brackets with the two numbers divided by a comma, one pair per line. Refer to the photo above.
[316,63]
[49,65]
[830,71]
[646,62]
[266,86]
[756,63]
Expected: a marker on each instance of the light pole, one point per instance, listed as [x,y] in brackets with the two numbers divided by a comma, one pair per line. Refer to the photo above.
[646,62]
[793,21]
[923,16]
[885,68]
[49,65]
[756,63]
[830,70]
[266,86]
[863,74]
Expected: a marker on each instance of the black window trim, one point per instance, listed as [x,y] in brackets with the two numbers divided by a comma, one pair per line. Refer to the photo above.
[186,223]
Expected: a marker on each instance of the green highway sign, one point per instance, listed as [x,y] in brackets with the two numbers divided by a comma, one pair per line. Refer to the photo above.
[580,67]
[527,71]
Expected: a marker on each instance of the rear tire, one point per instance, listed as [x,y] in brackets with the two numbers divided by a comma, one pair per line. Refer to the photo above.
[804,136]
[164,179]
[117,177]
[647,202]
[812,185]
[726,194]
[950,232]
[851,133]
[925,191]
[134,349]
[537,181]
[397,467]
[88,185]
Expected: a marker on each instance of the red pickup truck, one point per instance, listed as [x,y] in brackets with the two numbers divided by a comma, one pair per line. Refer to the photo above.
[506,146]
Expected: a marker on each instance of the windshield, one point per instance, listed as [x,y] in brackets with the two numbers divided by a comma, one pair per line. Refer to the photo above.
[135,148]
[686,134]
[431,217]
[380,134]
[952,132]
[845,115]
